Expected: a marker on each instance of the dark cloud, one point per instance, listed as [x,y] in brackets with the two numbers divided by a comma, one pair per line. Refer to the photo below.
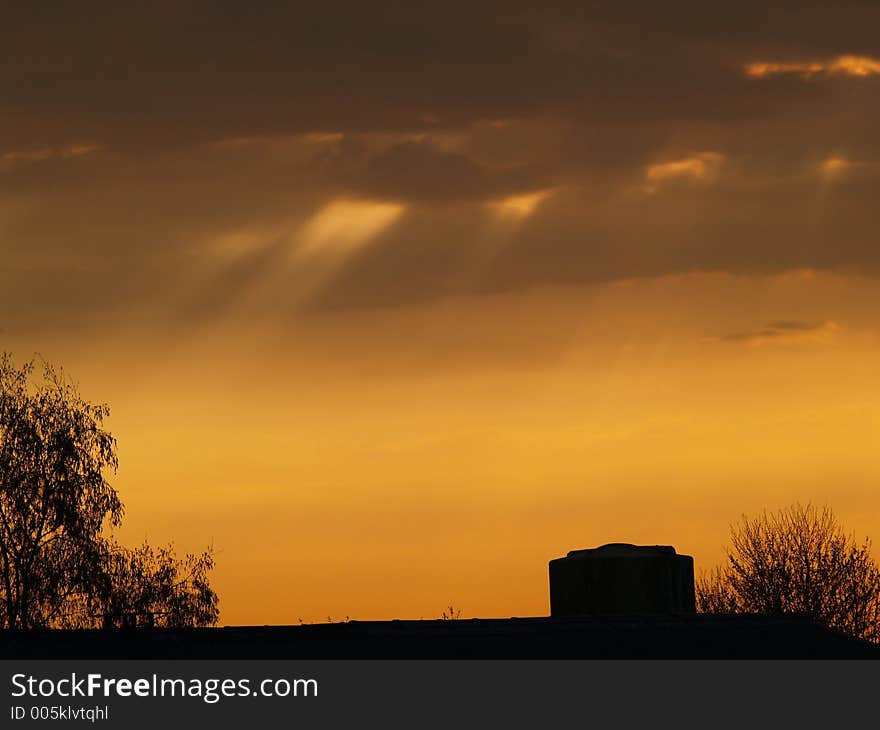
[417,171]
[789,325]
[593,235]
[783,331]
[135,140]
[162,72]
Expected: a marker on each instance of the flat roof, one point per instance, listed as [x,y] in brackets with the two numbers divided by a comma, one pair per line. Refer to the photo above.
[696,636]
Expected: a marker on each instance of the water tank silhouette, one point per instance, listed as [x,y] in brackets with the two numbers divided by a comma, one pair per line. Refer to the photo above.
[619,578]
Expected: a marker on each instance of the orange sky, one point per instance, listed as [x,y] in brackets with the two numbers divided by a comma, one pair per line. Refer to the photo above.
[391,324]
[375,477]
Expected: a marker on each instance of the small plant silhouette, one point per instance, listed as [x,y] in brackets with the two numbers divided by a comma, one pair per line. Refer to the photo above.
[450,613]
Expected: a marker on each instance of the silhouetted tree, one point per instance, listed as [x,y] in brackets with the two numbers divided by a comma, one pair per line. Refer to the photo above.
[150,585]
[54,497]
[797,560]
[56,566]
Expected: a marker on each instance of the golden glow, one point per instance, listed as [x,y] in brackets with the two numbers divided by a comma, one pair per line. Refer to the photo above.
[855,66]
[762,69]
[344,225]
[519,207]
[35,155]
[697,167]
[382,465]
[79,150]
[324,137]
[847,65]
[835,164]
[834,167]
[42,154]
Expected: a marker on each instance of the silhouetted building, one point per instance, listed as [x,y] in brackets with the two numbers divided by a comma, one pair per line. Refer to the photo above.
[622,579]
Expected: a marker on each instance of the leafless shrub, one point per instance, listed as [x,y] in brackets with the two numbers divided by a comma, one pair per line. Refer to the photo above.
[797,560]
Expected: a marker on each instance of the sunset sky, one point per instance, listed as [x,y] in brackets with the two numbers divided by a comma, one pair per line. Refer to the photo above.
[393,303]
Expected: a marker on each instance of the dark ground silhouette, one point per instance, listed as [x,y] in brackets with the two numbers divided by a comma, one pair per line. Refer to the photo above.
[693,636]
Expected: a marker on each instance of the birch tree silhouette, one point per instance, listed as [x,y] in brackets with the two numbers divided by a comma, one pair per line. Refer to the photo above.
[57,566]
